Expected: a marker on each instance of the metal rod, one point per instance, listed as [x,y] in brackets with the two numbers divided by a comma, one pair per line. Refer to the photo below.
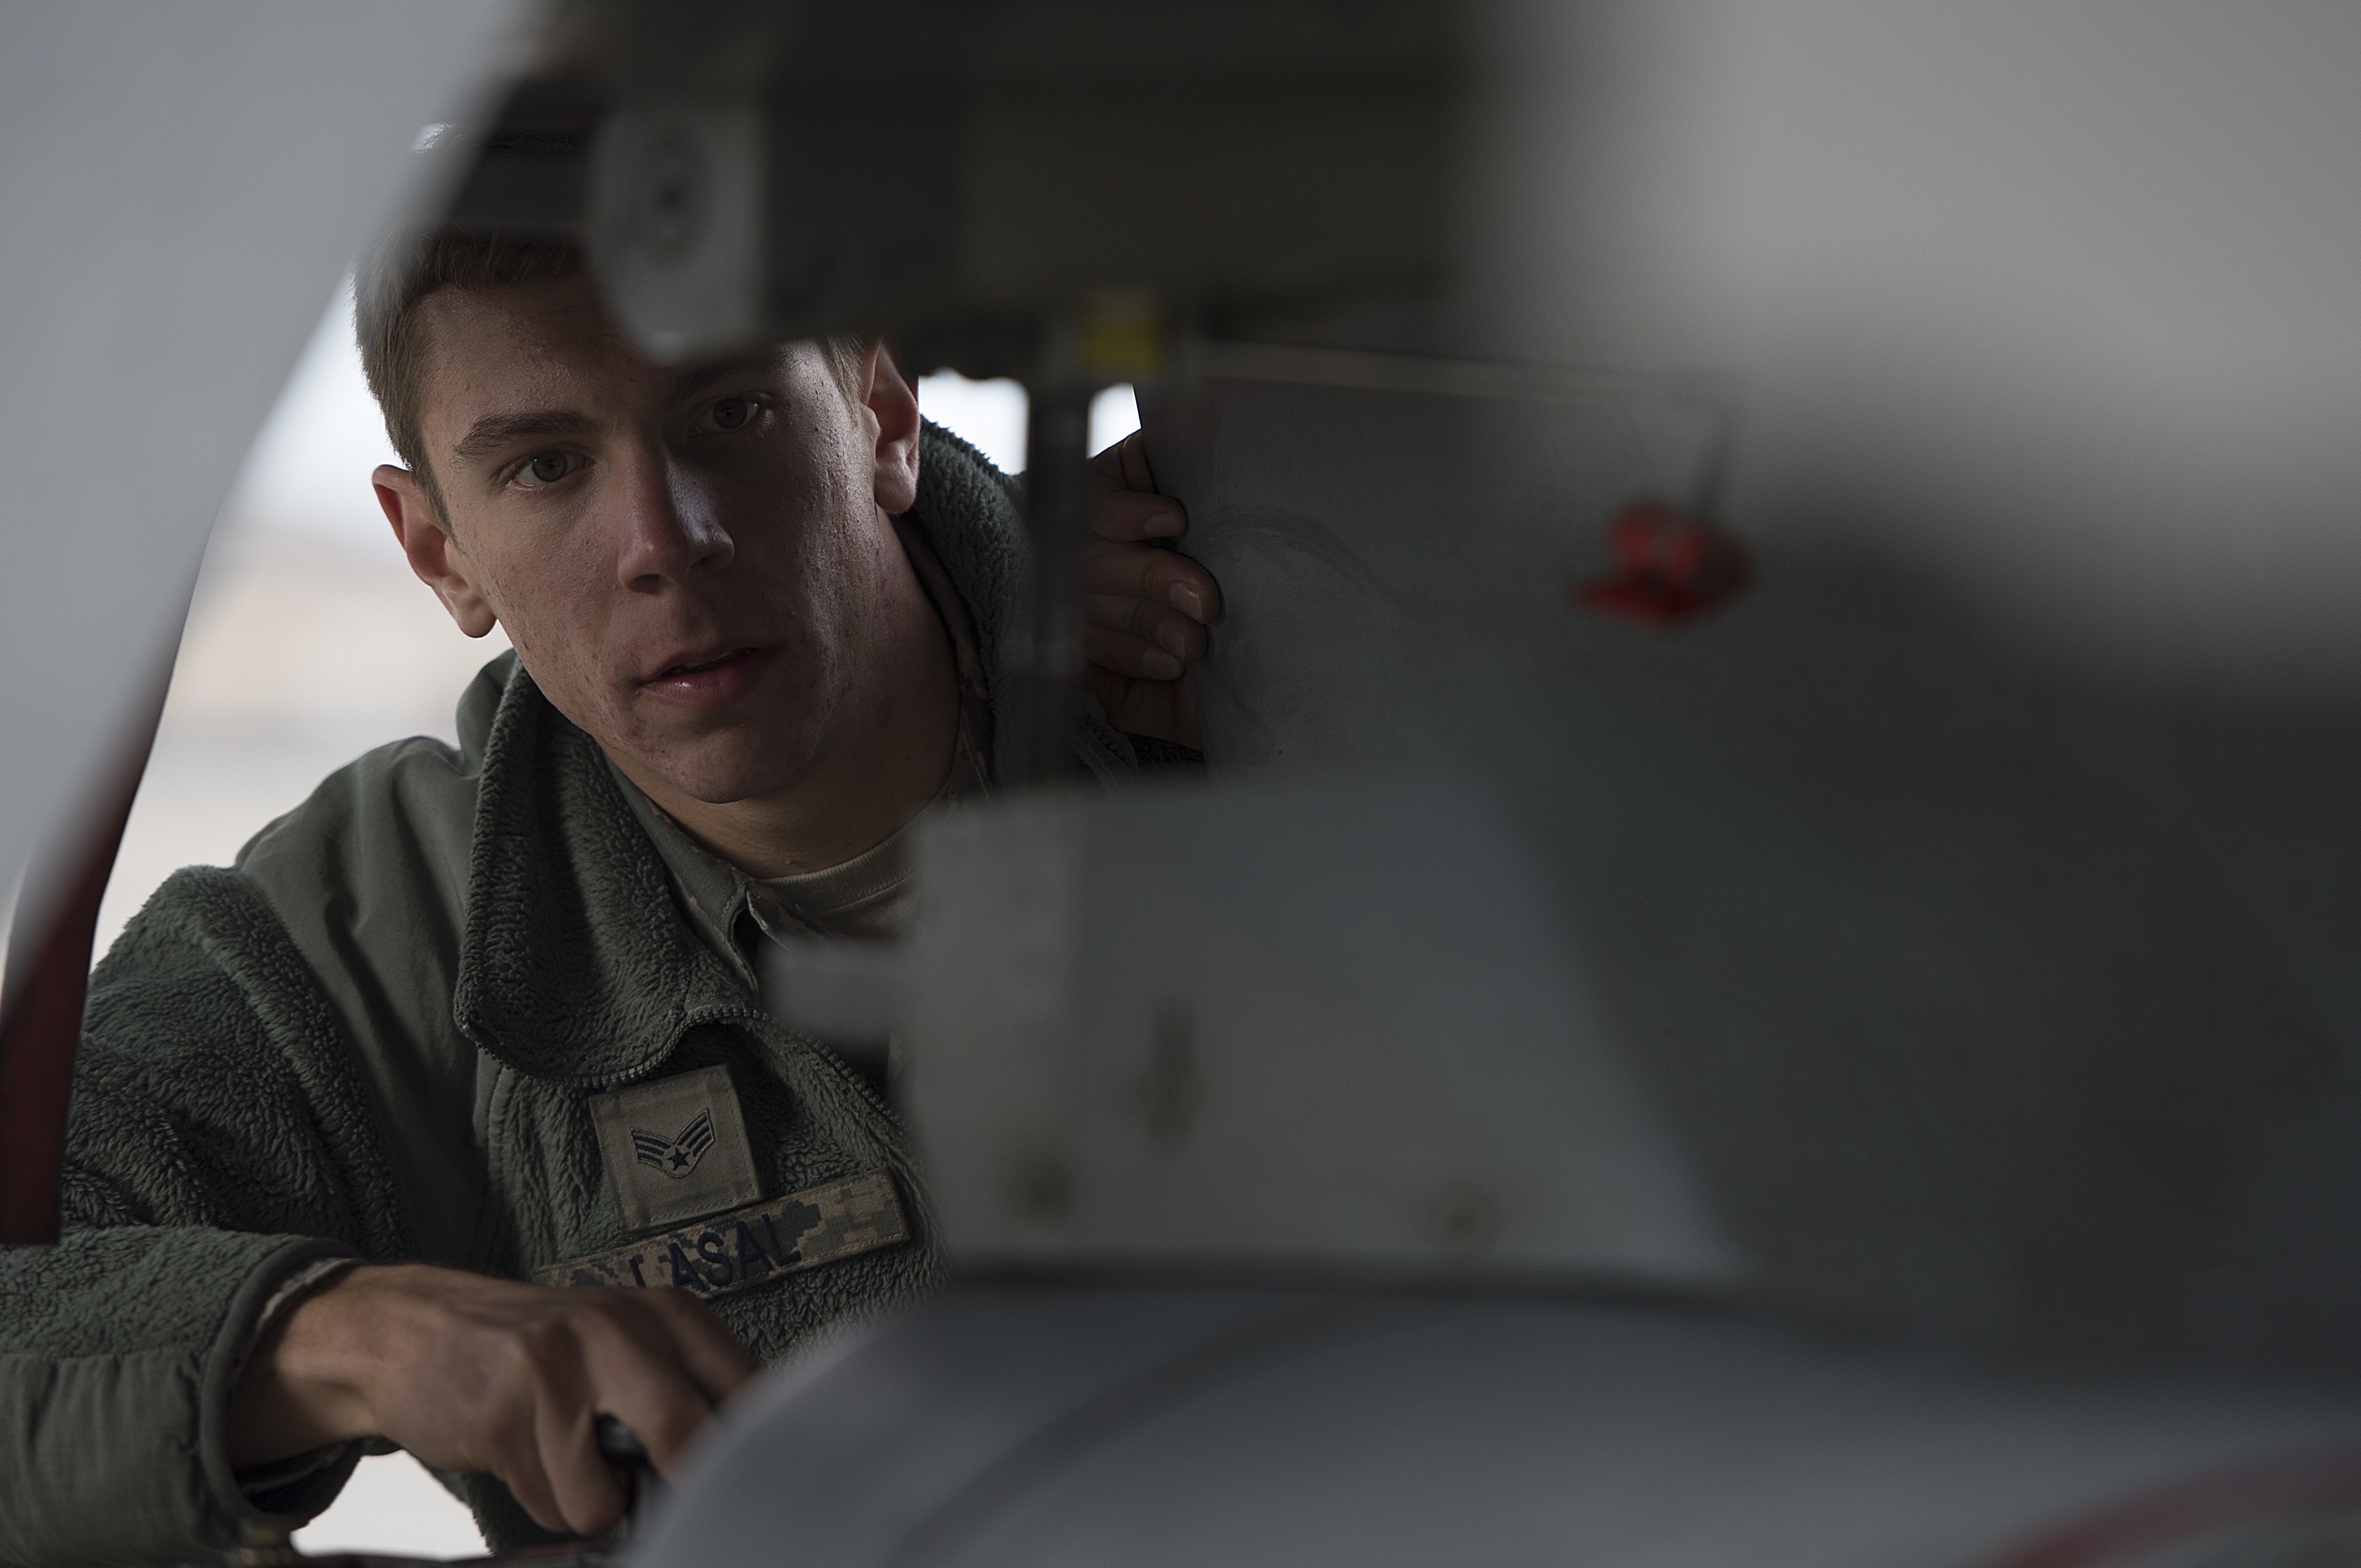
[1046,657]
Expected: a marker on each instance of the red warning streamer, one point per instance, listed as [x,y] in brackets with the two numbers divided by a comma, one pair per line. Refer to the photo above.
[1669,567]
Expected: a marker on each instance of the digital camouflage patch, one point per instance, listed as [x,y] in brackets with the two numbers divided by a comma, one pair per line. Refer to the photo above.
[749,1245]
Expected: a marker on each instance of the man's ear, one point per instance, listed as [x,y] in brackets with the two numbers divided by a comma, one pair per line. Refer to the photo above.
[894,402]
[434,555]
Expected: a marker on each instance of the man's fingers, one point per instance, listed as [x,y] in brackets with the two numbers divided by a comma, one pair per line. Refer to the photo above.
[1152,626]
[510,1448]
[710,1352]
[568,1360]
[1160,576]
[1124,466]
[548,1387]
[656,1365]
[485,1374]
[1146,608]
[1123,654]
[1129,516]
[521,1471]
[1162,709]
[649,1389]
[588,1492]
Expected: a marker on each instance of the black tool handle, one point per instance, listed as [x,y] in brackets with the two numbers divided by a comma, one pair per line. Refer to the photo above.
[620,1443]
[623,1449]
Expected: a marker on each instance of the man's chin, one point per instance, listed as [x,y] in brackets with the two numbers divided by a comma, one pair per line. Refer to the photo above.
[717,774]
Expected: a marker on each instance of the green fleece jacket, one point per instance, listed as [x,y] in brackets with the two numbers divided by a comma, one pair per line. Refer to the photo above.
[376,1035]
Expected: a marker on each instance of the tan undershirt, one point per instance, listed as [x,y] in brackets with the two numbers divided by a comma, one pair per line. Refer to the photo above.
[868,895]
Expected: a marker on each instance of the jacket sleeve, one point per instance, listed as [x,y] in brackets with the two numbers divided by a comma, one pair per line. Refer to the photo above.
[220,1142]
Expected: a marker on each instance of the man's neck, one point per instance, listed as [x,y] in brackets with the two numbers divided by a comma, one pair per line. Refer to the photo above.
[870,780]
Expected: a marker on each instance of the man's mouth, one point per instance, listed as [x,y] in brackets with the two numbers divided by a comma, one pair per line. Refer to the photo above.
[697,666]
[702,679]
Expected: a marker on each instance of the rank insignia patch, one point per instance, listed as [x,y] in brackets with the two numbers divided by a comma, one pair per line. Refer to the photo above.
[674,1149]
[675,1157]
[749,1245]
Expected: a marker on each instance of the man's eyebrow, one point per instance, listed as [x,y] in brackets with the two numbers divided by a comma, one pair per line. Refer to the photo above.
[697,378]
[493,432]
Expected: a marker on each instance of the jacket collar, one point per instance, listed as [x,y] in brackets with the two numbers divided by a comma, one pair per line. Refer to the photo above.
[574,964]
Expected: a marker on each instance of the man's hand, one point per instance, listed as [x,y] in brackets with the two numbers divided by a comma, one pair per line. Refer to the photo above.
[474,1374]
[1146,608]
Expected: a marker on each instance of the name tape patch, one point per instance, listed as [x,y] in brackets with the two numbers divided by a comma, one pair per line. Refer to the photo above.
[749,1245]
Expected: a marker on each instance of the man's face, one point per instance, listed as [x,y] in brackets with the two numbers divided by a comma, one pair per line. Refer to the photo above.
[690,564]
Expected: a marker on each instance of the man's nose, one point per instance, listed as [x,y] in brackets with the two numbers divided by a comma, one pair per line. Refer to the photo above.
[666,527]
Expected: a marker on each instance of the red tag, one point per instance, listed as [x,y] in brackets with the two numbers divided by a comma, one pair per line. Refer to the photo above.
[1668,568]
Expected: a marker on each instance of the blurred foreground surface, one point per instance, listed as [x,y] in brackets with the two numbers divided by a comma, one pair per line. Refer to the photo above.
[1010,1426]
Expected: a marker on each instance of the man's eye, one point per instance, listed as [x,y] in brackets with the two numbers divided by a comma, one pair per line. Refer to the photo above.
[730,413]
[546,469]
